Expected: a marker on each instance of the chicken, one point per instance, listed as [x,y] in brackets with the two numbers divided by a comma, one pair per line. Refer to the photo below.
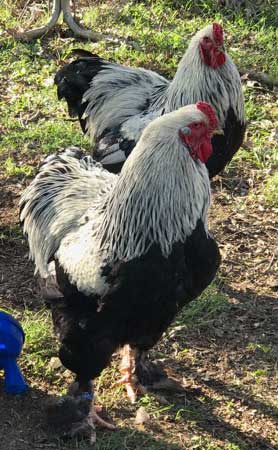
[126,251]
[114,103]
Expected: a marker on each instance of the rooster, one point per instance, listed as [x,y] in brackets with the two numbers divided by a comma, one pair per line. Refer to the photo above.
[114,103]
[126,251]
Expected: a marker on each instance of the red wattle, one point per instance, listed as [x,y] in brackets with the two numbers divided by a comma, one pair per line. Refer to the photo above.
[204,151]
[212,57]
[217,58]
[221,58]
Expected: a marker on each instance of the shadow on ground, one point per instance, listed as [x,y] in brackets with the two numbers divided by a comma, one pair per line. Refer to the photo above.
[23,427]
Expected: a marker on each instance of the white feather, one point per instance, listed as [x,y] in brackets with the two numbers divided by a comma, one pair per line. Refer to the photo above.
[56,200]
[116,94]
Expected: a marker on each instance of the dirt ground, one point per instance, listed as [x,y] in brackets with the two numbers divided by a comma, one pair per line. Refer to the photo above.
[230,369]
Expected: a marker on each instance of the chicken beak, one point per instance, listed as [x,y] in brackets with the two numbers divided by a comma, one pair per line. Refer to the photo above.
[218,131]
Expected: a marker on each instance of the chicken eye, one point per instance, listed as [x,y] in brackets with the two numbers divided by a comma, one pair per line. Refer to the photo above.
[206,41]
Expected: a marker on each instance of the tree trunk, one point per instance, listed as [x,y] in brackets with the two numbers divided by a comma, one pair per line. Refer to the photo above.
[77,30]
[59,6]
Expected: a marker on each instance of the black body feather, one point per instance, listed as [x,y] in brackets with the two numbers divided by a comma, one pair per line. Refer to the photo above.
[145,295]
[73,80]
[225,146]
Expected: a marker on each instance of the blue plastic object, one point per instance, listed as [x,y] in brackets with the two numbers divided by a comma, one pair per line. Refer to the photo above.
[11,341]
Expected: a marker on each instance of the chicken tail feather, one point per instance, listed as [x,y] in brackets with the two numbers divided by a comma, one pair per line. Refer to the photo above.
[57,198]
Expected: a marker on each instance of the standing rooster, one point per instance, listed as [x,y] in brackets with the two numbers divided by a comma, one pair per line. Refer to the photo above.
[127,252]
[114,103]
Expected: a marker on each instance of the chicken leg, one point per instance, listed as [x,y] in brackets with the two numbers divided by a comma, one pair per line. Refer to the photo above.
[127,369]
[140,375]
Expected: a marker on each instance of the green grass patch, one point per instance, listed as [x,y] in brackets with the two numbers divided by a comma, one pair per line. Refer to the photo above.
[40,344]
[205,309]
[253,346]
[153,407]
[270,190]
[11,169]
[258,374]
[204,443]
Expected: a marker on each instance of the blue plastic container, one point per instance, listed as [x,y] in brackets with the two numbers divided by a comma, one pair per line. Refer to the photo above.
[11,341]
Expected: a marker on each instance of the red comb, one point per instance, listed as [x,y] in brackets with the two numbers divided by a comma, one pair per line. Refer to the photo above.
[218,34]
[209,112]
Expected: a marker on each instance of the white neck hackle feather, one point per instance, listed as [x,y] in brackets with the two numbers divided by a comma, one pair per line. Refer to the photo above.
[161,192]
[194,81]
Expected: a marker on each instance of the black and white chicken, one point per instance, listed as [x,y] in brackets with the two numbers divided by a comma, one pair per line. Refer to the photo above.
[126,251]
[114,103]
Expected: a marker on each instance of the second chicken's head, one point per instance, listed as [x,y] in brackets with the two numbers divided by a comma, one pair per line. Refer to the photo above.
[211,46]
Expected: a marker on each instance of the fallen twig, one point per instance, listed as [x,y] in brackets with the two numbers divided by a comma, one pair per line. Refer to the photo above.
[271,262]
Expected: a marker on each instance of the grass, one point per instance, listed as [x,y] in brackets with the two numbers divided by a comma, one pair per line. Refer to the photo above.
[40,344]
[270,191]
[205,309]
[151,34]
[252,346]
[131,439]
[11,169]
